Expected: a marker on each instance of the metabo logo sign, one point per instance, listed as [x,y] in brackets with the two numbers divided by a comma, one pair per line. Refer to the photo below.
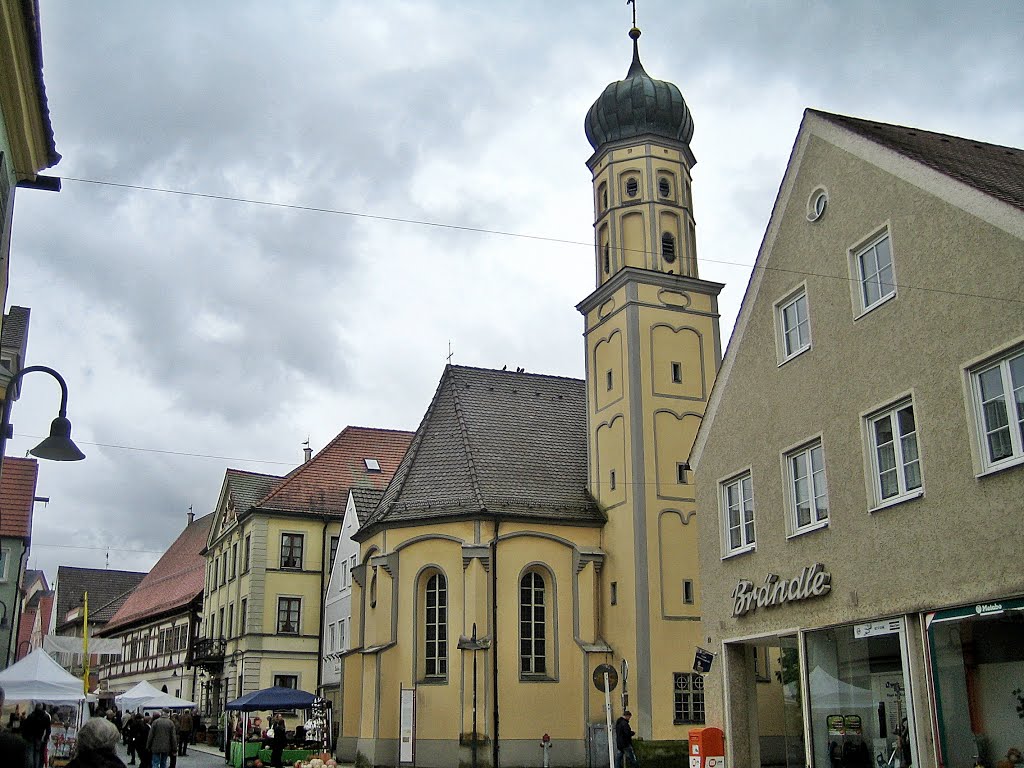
[813,581]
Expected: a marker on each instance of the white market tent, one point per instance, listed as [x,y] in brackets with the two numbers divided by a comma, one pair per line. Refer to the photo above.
[145,695]
[37,677]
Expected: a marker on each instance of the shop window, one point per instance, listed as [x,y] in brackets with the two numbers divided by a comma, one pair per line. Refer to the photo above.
[895,460]
[762,664]
[688,698]
[737,500]
[977,672]
[998,389]
[857,693]
[533,623]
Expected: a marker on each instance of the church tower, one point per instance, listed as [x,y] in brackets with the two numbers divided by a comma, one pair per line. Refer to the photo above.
[652,351]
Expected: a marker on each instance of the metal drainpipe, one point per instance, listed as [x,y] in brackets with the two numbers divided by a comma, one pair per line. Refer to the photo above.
[494,635]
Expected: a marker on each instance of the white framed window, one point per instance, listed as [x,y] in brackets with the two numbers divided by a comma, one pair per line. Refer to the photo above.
[793,325]
[342,635]
[737,500]
[875,276]
[807,488]
[533,623]
[895,458]
[435,627]
[998,392]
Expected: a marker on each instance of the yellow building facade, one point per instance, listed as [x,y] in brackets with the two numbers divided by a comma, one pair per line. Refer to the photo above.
[653,348]
[541,527]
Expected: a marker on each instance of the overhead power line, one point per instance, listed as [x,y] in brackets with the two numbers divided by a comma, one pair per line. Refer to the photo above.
[500,233]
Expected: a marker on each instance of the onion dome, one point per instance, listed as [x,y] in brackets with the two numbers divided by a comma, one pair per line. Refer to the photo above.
[638,106]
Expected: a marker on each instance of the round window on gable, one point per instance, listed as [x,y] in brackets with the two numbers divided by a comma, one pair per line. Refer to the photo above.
[664,186]
[632,186]
[817,203]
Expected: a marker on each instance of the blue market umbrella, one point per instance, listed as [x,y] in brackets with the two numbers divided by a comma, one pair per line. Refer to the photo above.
[273,698]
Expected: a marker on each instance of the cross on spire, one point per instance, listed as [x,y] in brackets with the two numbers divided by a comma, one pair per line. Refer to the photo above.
[633,3]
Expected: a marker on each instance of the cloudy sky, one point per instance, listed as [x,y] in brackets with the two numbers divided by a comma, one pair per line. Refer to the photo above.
[198,333]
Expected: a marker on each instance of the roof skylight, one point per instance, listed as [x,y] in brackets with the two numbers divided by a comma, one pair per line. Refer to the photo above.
[372,465]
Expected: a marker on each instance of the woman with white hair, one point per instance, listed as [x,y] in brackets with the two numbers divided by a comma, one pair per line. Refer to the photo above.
[97,740]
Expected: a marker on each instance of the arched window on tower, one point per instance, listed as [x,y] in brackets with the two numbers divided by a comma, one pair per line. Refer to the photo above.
[668,247]
[435,627]
[602,197]
[532,625]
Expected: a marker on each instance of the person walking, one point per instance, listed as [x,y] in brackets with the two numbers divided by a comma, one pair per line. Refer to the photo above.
[96,745]
[277,743]
[184,732]
[12,747]
[130,733]
[36,732]
[143,729]
[163,739]
[624,742]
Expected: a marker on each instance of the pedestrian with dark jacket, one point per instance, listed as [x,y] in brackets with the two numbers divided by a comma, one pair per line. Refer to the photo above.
[96,745]
[184,731]
[277,742]
[36,733]
[624,742]
[142,730]
[163,739]
[129,732]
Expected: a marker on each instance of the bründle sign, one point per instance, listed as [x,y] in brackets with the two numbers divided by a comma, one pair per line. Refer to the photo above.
[814,581]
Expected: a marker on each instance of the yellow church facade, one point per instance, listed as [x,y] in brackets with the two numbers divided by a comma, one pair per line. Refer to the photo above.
[540,527]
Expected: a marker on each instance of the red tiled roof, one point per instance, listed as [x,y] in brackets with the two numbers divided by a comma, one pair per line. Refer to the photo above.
[174,582]
[17,490]
[322,483]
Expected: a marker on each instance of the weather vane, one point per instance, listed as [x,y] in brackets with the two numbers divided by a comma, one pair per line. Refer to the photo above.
[633,3]
[450,353]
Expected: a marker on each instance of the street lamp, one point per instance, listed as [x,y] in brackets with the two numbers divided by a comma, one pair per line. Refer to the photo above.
[58,446]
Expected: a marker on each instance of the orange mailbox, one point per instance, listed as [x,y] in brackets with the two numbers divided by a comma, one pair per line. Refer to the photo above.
[707,748]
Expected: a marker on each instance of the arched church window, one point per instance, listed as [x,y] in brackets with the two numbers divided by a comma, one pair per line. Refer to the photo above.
[668,247]
[664,186]
[532,625]
[435,620]
[602,197]
[632,186]
[606,257]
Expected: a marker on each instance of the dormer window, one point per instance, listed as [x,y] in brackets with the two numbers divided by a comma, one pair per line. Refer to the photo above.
[372,465]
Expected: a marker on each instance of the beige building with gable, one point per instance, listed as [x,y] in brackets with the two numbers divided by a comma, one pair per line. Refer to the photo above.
[861,466]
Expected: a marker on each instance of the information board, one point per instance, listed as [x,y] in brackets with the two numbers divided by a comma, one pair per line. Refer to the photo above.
[407,726]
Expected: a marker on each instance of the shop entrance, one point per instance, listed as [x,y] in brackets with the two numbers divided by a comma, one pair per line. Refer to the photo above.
[779,710]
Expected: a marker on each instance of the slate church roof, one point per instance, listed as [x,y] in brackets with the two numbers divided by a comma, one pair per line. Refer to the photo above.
[103,586]
[495,443]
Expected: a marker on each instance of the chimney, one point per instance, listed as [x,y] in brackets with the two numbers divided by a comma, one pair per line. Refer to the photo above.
[191,515]
[307,452]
